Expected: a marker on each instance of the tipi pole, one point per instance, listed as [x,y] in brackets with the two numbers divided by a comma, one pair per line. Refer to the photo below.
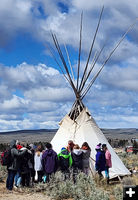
[69,62]
[79,51]
[63,61]
[58,63]
[85,70]
[94,78]
[95,61]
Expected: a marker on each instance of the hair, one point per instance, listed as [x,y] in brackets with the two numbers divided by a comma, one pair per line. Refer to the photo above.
[48,145]
[70,142]
[104,145]
[39,150]
[86,145]
[76,146]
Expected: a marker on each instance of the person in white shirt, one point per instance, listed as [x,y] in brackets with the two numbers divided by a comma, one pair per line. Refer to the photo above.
[38,164]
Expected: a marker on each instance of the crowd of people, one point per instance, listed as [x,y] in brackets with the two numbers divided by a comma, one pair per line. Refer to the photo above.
[29,165]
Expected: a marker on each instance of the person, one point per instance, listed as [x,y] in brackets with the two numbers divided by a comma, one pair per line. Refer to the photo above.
[65,162]
[70,146]
[100,160]
[18,145]
[85,157]
[38,163]
[49,161]
[31,147]
[16,156]
[108,161]
[24,167]
[17,179]
[77,161]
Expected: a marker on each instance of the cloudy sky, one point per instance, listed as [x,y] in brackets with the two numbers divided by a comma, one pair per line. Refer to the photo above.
[34,93]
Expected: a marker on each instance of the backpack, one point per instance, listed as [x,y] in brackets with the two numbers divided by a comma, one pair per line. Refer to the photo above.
[6,158]
[63,163]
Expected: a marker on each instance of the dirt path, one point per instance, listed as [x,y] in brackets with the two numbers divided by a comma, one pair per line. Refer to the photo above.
[6,195]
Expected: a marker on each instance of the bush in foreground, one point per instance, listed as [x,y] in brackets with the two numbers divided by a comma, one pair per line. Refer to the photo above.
[84,189]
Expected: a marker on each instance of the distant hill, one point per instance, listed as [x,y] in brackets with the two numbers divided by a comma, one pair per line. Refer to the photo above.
[39,131]
[46,135]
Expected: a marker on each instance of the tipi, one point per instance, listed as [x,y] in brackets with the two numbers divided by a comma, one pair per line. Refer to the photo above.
[79,125]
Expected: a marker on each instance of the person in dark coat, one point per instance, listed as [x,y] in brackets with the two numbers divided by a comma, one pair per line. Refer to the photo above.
[100,160]
[77,155]
[31,163]
[65,162]
[16,156]
[24,167]
[49,161]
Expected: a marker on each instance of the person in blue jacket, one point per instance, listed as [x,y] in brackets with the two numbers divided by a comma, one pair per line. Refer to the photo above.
[100,160]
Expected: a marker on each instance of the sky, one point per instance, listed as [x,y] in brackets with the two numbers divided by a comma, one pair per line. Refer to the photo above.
[33,91]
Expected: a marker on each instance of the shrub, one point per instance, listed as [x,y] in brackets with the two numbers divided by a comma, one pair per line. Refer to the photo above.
[84,188]
[118,192]
[3,173]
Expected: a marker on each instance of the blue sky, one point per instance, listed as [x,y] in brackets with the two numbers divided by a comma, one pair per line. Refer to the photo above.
[33,92]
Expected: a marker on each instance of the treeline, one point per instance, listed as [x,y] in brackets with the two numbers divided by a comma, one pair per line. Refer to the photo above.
[117,143]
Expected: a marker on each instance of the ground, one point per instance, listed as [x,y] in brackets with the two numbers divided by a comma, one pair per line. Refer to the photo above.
[5,195]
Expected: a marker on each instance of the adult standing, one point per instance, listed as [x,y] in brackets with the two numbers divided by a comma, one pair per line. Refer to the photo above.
[14,165]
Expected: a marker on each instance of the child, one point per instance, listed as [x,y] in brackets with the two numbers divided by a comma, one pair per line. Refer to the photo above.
[85,158]
[65,161]
[77,161]
[49,161]
[108,161]
[100,160]
[38,163]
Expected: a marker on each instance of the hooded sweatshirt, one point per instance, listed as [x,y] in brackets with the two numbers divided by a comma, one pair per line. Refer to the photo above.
[100,161]
[77,155]
[65,159]
[15,155]
[50,161]
[85,158]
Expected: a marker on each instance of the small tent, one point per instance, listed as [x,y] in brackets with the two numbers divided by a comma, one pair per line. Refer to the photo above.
[79,125]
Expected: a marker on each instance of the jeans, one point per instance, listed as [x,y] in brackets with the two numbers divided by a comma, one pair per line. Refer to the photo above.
[17,179]
[10,179]
[25,178]
[107,172]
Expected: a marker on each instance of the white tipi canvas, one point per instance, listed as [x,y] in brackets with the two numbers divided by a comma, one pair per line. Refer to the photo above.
[85,129]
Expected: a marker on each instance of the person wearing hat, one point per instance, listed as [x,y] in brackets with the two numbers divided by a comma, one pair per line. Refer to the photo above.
[65,162]
[108,161]
[100,160]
